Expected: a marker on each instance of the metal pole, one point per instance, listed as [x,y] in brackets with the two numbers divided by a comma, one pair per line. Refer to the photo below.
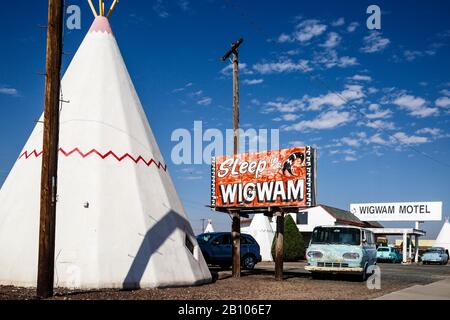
[50,150]
[405,240]
[416,258]
[410,247]
[279,250]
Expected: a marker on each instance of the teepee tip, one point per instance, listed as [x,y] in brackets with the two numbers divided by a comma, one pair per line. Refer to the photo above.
[101,8]
[101,24]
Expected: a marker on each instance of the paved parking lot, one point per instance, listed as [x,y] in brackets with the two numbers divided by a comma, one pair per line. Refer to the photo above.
[415,274]
[261,285]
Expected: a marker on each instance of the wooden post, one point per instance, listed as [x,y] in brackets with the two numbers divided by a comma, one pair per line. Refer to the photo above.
[50,150]
[236,244]
[236,225]
[236,228]
[236,101]
[279,247]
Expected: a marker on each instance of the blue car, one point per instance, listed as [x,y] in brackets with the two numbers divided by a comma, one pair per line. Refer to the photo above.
[389,254]
[217,250]
[435,255]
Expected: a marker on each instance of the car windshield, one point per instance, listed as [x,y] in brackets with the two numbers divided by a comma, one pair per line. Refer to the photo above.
[434,250]
[203,238]
[349,236]
[383,249]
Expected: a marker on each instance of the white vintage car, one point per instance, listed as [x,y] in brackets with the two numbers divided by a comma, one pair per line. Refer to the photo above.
[435,255]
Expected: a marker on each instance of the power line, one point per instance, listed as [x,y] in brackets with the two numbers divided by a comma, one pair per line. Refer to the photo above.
[261,31]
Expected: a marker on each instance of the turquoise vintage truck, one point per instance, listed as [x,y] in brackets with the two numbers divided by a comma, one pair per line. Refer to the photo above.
[341,249]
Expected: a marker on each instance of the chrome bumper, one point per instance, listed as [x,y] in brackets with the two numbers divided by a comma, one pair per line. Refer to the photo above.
[326,269]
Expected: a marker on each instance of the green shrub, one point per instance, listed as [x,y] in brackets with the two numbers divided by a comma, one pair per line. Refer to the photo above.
[293,244]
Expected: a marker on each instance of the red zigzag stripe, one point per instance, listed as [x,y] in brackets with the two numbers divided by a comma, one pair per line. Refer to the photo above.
[27,155]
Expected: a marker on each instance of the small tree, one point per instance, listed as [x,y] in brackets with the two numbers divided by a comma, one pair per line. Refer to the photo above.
[293,244]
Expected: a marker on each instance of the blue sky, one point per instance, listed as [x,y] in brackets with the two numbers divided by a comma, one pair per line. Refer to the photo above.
[295,55]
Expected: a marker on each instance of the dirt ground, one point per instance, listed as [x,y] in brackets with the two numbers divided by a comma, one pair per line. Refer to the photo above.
[261,285]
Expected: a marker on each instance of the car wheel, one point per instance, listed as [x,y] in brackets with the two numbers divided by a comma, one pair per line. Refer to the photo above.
[363,276]
[249,262]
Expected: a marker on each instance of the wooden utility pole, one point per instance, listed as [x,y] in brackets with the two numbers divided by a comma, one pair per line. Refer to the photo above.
[236,224]
[50,150]
[279,252]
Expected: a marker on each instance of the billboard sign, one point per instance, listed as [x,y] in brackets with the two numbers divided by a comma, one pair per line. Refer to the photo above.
[399,211]
[281,178]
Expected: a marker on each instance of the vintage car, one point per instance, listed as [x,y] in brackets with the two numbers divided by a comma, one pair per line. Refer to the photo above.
[435,255]
[389,254]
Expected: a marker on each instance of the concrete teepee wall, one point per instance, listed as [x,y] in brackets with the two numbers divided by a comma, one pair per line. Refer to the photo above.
[120,222]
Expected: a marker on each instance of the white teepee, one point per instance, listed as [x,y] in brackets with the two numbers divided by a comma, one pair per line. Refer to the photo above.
[261,229]
[209,228]
[120,222]
[443,239]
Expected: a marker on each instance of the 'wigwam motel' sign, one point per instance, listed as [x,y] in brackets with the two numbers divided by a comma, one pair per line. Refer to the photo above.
[402,211]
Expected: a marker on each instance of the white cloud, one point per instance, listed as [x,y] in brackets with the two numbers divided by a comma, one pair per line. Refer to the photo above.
[352,26]
[296,143]
[255,102]
[358,77]
[372,90]
[376,139]
[415,105]
[333,40]
[380,124]
[160,7]
[443,102]
[339,22]
[206,101]
[253,82]
[285,107]
[228,70]
[378,113]
[351,92]
[405,139]
[290,117]
[304,31]
[374,42]
[430,131]
[350,158]
[326,120]
[308,29]
[9,91]
[445,92]
[330,59]
[282,66]
[411,55]
[350,142]
[347,61]
[284,38]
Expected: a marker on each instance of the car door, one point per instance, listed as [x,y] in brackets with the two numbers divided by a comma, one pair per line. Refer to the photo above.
[245,245]
[369,248]
[221,248]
